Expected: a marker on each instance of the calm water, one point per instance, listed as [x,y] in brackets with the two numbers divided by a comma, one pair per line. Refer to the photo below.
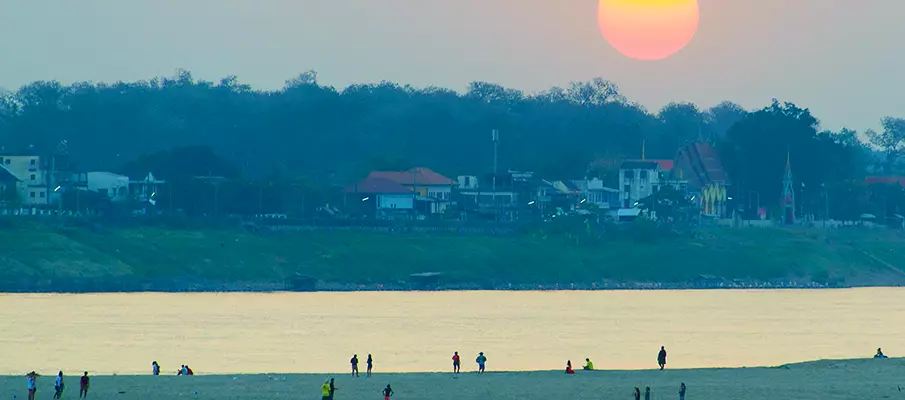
[319,332]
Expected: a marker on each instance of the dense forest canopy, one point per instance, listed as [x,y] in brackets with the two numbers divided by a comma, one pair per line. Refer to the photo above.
[318,133]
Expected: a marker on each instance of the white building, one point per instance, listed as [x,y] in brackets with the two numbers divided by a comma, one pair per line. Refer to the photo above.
[640,178]
[34,189]
[594,192]
[114,186]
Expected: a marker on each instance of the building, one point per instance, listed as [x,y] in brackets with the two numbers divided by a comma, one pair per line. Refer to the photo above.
[35,178]
[641,178]
[145,189]
[380,197]
[114,186]
[699,165]
[9,188]
[433,190]
[593,192]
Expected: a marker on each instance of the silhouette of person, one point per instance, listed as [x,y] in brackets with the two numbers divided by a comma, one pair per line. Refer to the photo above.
[457,363]
[661,357]
[370,364]
[354,362]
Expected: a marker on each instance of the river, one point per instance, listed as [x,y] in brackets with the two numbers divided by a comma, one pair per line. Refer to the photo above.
[418,331]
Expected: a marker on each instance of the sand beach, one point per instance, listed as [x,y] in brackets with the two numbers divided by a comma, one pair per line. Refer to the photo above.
[821,380]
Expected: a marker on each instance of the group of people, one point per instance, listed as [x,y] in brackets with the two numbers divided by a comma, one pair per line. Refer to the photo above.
[637,392]
[183,370]
[661,361]
[354,362]
[328,389]
[58,385]
[481,360]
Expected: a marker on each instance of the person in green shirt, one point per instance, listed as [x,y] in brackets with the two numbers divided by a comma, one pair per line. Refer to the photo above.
[589,366]
[325,390]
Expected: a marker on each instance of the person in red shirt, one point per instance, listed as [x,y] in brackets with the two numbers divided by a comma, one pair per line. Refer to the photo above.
[189,371]
[569,369]
[457,363]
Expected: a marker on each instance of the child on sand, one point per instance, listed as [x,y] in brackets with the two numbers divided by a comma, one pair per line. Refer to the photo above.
[332,388]
[647,393]
[325,390]
[637,393]
[387,393]
[155,368]
[83,386]
[481,360]
[457,363]
[682,389]
[370,364]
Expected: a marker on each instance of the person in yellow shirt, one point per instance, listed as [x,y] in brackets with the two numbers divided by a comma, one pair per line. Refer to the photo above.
[589,366]
[325,391]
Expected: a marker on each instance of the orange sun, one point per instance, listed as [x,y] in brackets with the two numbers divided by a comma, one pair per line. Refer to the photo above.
[648,29]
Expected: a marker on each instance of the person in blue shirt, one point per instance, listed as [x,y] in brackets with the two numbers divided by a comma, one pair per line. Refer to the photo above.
[481,360]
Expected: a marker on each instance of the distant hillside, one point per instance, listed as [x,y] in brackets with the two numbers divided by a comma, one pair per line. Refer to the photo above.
[36,257]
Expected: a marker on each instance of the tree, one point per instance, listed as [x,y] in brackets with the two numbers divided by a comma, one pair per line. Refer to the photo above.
[667,204]
[891,141]
[720,118]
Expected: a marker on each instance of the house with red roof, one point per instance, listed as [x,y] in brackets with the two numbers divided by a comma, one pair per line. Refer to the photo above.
[379,196]
[418,189]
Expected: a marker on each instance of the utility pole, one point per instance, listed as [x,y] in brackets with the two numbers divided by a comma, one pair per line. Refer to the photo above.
[495,137]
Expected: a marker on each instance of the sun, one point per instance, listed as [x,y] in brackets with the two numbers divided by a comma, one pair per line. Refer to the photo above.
[648,29]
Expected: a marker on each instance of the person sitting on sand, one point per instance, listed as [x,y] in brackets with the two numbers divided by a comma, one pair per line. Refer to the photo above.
[588,366]
[58,386]
[682,390]
[387,393]
[325,390]
[481,360]
[457,363]
[569,370]
[188,371]
[880,354]
[155,368]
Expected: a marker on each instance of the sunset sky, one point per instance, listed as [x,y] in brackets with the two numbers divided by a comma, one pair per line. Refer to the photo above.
[844,59]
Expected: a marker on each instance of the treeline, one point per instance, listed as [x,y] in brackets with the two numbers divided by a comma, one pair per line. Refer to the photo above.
[322,136]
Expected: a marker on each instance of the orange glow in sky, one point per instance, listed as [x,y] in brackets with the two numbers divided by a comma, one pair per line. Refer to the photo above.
[648,29]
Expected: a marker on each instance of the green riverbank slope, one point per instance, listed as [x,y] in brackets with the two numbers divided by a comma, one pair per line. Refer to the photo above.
[36,256]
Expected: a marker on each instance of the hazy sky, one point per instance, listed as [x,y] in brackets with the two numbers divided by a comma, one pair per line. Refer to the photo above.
[844,59]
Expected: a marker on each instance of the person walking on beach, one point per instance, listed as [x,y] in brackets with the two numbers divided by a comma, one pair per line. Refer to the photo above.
[370,365]
[354,362]
[481,360]
[155,368]
[84,383]
[387,393]
[58,386]
[637,393]
[647,393]
[661,357]
[32,378]
[332,388]
[325,391]
[457,363]
[682,389]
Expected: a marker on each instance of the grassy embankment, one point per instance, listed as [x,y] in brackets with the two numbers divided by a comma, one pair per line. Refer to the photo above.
[823,380]
[851,257]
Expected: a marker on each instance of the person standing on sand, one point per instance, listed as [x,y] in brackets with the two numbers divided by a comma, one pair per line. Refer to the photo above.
[481,360]
[325,391]
[370,365]
[155,368]
[647,393]
[58,386]
[83,386]
[661,357]
[332,388]
[354,362]
[682,390]
[637,393]
[457,363]
[387,393]
[32,378]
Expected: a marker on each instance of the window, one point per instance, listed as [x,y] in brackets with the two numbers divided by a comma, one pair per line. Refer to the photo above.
[32,195]
[628,174]
[643,174]
[33,162]
[43,195]
[32,177]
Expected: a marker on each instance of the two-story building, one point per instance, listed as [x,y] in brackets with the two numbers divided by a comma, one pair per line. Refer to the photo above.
[9,188]
[35,178]
[432,189]
[641,178]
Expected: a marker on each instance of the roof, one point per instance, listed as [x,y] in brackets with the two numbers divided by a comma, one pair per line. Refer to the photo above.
[700,165]
[372,185]
[7,176]
[416,176]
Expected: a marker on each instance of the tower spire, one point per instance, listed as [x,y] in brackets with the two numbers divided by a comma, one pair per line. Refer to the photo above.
[642,149]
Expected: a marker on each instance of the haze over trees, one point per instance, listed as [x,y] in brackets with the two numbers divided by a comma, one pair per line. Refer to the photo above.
[321,136]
